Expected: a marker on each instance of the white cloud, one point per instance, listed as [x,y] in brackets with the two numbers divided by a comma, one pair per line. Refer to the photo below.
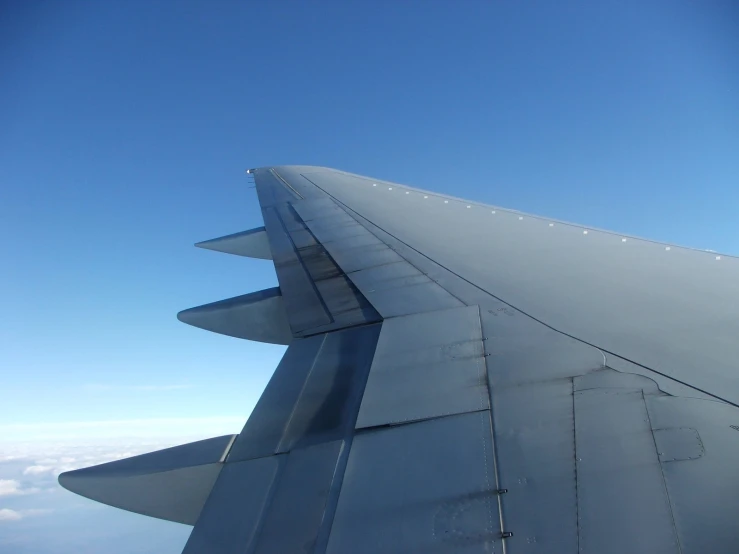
[9,487]
[82,432]
[7,514]
[10,457]
[37,470]
[51,448]
[12,487]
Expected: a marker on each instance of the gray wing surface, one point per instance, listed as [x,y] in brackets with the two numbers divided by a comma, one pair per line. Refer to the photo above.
[460,378]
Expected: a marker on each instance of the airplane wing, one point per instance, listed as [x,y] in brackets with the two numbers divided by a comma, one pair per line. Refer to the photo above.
[460,378]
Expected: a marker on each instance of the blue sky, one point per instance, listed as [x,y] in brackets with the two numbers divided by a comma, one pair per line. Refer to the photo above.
[125,129]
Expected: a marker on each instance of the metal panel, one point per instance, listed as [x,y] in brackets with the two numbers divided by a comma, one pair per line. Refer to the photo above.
[355,259]
[332,229]
[327,407]
[422,487]
[522,350]
[535,445]
[303,238]
[259,316]
[319,264]
[324,213]
[678,444]
[252,243]
[318,208]
[283,250]
[290,219]
[271,190]
[385,276]
[426,365]
[171,484]
[263,430]
[293,175]
[229,522]
[622,500]
[704,490]
[409,299]
[665,383]
[303,304]
[346,305]
[297,509]
[610,378]
[355,241]
[320,298]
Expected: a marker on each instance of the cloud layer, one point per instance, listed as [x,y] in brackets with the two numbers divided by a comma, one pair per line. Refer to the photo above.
[13,487]
[7,514]
[30,464]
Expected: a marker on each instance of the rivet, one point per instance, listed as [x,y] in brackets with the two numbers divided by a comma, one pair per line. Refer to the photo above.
[667,248]
[492,212]
[623,240]
[718,257]
[446,201]
[407,192]
[469,206]
[585,232]
[425,196]
[551,224]
[389,188]
[520,218]
[374,184]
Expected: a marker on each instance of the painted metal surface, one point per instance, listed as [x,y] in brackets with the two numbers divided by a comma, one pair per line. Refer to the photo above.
[523,351]
[171,484]
[535,445]
[622,499]
[252,244]
[607,378]
[363,257]
[388,276]
[678,444]
[413,297]
[229,522]
[321,298]
[426,365]
[304,306]
[259,316]
[592,286]
[313,396]
[263,430]
[403,289]
[327,407]
[422,487]
[703,489]
[347,306]
[296,512]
